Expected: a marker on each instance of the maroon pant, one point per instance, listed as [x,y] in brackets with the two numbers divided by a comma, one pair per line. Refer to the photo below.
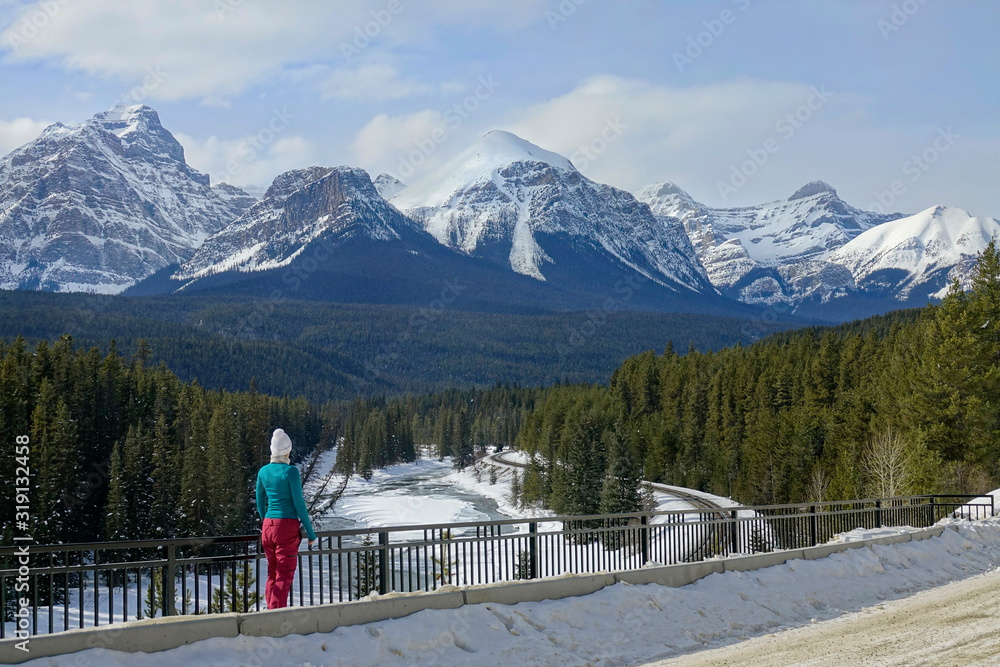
[280,539]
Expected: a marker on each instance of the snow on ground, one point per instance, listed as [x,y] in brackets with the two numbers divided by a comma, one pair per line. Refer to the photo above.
[619,624]
[954,624]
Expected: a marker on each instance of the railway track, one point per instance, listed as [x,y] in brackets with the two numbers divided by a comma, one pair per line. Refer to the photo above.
[697,502]
[705,509]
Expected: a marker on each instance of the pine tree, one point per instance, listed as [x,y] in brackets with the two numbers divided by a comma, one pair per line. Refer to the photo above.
[620,493]
[228,481]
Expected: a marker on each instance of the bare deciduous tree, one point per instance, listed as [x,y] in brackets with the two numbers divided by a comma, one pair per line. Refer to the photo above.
[887,465]
[819,482]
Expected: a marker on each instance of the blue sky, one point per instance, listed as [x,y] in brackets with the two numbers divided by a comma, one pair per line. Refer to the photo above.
[737,101]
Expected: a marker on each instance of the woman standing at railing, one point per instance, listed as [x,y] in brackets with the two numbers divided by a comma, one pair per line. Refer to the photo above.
[282,508]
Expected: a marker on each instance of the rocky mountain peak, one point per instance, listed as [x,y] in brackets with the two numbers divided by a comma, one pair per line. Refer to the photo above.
[388,185]
[812,188]
[99,205]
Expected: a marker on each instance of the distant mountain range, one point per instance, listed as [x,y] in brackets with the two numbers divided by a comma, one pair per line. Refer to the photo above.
[97,206]
[111,205]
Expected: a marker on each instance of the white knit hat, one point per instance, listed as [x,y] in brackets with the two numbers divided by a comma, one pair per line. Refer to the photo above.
[281,444]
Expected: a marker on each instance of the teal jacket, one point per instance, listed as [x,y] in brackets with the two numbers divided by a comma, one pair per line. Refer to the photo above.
[279,495]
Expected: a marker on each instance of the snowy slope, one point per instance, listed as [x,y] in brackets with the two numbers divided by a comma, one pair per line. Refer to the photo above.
[514,203]
[98,206]
[388,185]
[768,253]
[298,208]
[918,255]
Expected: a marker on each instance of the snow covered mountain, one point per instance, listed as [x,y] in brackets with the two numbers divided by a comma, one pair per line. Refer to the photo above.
[917,257]
[300,207]
[773,253]
[100,205]
[529,210]
[388,185]
[326,234]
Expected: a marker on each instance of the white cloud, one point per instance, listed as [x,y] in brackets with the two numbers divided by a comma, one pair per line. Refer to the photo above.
[246,161]
[214,50]
[15,133]
[690,135]
[374,82]
[385,142]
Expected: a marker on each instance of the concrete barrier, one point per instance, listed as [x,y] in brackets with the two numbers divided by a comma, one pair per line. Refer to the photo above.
[153,635]
[149,635]
[327,618]
[824,550]
[673,576]
[757,561]
[551,588]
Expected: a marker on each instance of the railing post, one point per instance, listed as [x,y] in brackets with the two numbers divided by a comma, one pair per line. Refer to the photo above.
[878,513]
[383,562]
[644,522]
[993,505]
[168,581]
[734,533]
[813,525]
[932,511]
[532,549]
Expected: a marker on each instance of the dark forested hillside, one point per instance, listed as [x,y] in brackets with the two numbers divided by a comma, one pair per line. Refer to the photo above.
[331,351]
[120,449]
[899,404]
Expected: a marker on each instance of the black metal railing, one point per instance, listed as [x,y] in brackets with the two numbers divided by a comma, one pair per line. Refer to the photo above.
[83,585]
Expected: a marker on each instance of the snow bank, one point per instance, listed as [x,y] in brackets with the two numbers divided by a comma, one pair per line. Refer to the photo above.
[619,624]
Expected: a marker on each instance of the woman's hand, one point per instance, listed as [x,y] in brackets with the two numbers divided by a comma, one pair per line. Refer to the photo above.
[311,543]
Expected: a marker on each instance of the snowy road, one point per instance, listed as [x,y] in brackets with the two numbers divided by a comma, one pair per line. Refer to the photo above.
[956,624]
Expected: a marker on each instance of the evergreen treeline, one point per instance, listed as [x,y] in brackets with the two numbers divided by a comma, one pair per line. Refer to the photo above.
[124,450]
[900,404]
[459,423]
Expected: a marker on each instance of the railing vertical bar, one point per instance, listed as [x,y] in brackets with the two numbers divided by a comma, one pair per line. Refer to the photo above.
[329,566]
[312,588]
[34,605]
[298,557]
[52,594]
[66,562]
[256,576]
[97,596]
